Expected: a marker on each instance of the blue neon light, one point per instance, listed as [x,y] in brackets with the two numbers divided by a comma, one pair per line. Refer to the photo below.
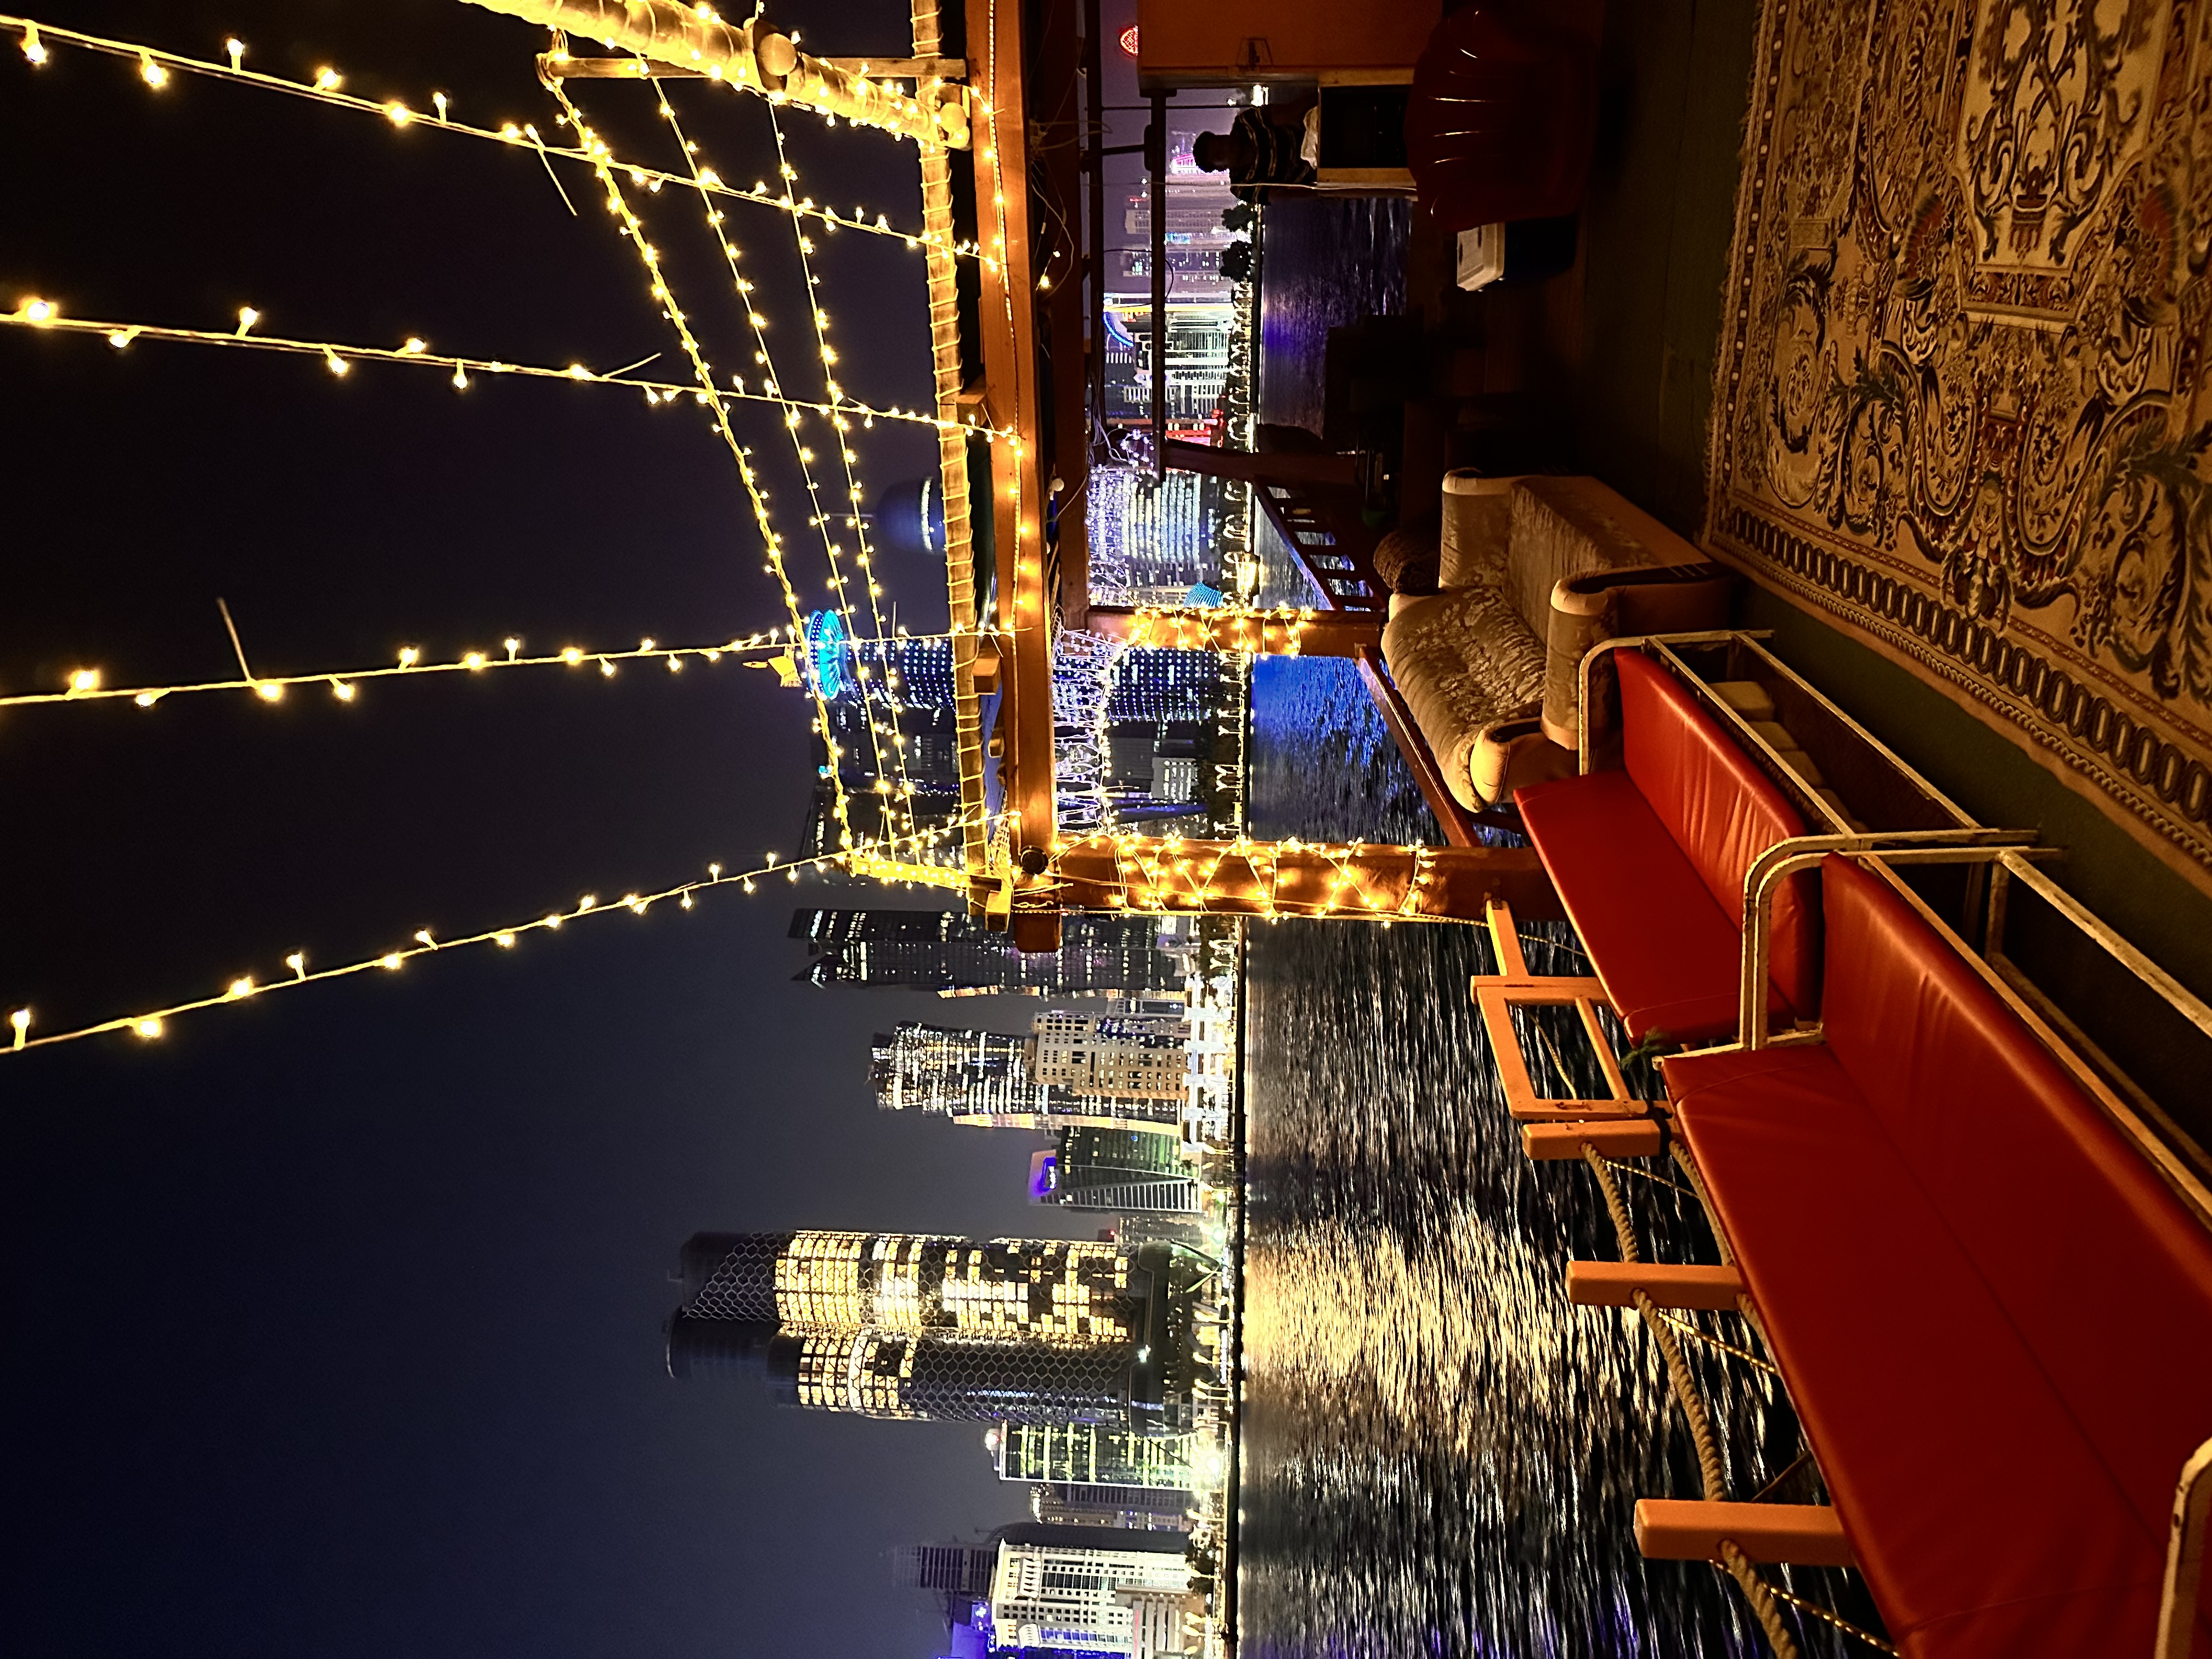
[825,653]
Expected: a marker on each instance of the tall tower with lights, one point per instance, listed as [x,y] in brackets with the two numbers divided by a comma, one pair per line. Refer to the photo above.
[922,1326]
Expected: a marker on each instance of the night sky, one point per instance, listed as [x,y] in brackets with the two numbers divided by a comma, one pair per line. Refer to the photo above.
[335,1317]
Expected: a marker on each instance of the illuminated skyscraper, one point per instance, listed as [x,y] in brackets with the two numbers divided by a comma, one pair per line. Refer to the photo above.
[1114,1170]
[918,1326]
[1133,1509]
[956,1072]
[1116,1593]
[919,672]
[952,1568]
[993,1077]
[1151,684]
[1081,1454]
[1117,1055]
[949,950]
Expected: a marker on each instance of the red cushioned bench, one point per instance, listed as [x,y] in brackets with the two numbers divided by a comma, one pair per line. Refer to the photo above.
[1649,861]
[1993,1316]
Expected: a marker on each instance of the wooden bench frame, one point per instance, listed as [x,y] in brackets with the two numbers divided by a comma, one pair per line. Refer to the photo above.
[1496,995]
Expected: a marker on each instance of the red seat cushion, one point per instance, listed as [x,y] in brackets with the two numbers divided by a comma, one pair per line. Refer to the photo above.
[2089,1252]
[1720,809]
[1994,1320]
[1667,955]
[1983,1518]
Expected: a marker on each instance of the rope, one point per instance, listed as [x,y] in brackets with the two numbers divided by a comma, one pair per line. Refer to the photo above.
[1646,1175]
[1843,1624]
[1761,1595]
[1614,1204]
[1710,1470]
[1744,1354]
[1712,1474]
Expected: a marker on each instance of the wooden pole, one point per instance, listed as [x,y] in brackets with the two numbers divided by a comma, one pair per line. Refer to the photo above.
[1228,628]
[1355,883]
[693,38]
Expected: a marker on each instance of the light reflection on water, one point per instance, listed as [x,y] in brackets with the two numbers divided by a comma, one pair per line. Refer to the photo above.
[1441,1456]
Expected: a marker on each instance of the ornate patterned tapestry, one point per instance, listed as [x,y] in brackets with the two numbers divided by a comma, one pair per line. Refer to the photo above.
[1960,398]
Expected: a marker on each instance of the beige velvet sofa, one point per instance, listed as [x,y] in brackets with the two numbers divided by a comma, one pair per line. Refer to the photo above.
[1532,571]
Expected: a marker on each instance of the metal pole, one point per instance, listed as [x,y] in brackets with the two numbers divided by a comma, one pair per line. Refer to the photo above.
[1157,159]
[1093,74]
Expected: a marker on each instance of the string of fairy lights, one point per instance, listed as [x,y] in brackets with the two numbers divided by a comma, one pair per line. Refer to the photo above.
[339,357]
[1270,631]
[151,1024]
[633,230]
[89,684]
[847,461]
[1151,875]
[1171,876]
[156,64]
[889,765]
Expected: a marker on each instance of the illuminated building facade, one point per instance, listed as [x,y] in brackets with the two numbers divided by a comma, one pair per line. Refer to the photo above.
[1083,1454]
[920,1326]
[1114,1055]
[1113,1170]
[1070,1598]
[950,950]
[1151,684]
[1134,1509]
[990,1078]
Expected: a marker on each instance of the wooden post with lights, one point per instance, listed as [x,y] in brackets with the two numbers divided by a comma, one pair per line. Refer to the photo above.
[693,40]
[1353,882]
[1008,324]
[1285,633]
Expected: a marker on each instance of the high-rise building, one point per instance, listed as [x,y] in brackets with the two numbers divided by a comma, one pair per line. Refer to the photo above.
[1092,1455]
[1151,684]
[1070,1591]
[1115,1170]
[991,1078]
[1115,1055]
[1129,1509]
[966,1075]
[949,950]
[952,1568]
[918,1325]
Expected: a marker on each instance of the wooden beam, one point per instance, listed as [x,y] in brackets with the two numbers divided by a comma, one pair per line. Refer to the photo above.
[753,56]
[1685,1529]
[1614,1284]
[1559,1143]
[1262,634]
[1007,321]
[1265,466]
[1454,820]
[1056,125]
[1358,882]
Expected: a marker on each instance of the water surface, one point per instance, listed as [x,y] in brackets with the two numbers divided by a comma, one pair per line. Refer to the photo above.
[1441,1456]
